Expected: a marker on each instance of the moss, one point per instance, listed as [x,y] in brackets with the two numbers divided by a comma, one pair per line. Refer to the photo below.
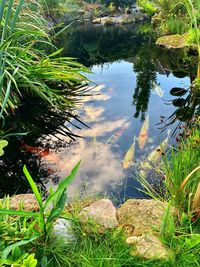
[174,41]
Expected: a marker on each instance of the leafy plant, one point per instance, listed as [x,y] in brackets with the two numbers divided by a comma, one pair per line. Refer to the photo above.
[43,218]
[19,258]
[26,68]
[58,198]
[148,7]
[3,144]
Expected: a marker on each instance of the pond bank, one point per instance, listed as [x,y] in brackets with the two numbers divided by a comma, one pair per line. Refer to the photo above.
[141,220]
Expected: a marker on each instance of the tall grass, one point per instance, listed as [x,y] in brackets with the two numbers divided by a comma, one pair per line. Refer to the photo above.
[26,68]
[193,10]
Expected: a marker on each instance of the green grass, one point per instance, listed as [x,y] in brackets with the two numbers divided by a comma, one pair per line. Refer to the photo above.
[178,165]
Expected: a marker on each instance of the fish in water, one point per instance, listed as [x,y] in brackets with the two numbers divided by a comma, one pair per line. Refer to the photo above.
[115,137]
[157,153]
[157,89]
[128,159]
[41,152]
[143,136]
[155,156]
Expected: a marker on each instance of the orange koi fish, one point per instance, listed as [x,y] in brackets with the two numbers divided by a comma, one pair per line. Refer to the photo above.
[41,152]
[143,136]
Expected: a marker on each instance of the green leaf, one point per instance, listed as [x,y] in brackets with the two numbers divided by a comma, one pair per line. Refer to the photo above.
[34,187]
[18,213]
[8,249]
[63,184]
[3,143]
[56,211]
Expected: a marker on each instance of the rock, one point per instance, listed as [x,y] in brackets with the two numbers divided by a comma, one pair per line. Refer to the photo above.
[118,19]
[63,229]
[99,216]
[125,19]
[26,202]
[174,41]
[139,216]
[157,19]
[148,247]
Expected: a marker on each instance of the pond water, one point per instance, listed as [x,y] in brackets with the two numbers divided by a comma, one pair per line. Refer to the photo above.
[133,79]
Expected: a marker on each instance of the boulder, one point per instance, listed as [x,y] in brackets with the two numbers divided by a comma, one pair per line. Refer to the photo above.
[148,247]
[139,216]
[26,202]
[157,19]
[63,229]
[99,216]
[175,41]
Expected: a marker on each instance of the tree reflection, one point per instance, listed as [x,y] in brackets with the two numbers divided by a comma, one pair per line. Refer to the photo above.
[146,76]
[45,127]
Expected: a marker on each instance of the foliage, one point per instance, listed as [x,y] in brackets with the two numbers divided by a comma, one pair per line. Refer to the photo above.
[3,144]
[25,67]
[182,173]
[174,25]
[19,258]
[43,220]
[147,6]
[119,3]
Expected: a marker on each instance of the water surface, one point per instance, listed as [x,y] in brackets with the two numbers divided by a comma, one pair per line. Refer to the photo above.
[127,66]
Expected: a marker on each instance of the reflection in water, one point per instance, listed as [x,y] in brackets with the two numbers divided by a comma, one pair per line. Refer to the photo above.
[187,103]
[146,77]
[93,113]
[100,167]
[103,128]
[126,69]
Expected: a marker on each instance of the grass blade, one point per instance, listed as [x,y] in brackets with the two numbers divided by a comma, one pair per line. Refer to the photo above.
[34,187]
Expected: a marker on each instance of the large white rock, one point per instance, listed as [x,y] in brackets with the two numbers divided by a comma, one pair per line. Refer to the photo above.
[99,216]
[147,246]
[63,229]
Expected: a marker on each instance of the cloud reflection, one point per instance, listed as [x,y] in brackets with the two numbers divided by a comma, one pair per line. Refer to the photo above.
[100,167]
[93,113]
[103,128]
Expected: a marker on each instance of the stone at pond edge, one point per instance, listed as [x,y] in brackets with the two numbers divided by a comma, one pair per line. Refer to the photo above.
[148,247]
[99,216]
[175,41]
[139,216]
[63,229]
[26,202]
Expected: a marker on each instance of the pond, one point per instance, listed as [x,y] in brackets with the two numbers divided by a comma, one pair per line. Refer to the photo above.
[131,86]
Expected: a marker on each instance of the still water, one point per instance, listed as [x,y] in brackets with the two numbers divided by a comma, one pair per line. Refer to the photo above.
[131,82]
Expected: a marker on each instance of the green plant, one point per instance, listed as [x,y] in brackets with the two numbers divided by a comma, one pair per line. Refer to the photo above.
[43,218]
[181,168]
[26,68]
[174,25]
[3,144]
[148,7]
[19,258]
[193,11]
[58,198]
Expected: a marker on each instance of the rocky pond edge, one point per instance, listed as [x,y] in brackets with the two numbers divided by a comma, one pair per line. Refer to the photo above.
[140,220]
